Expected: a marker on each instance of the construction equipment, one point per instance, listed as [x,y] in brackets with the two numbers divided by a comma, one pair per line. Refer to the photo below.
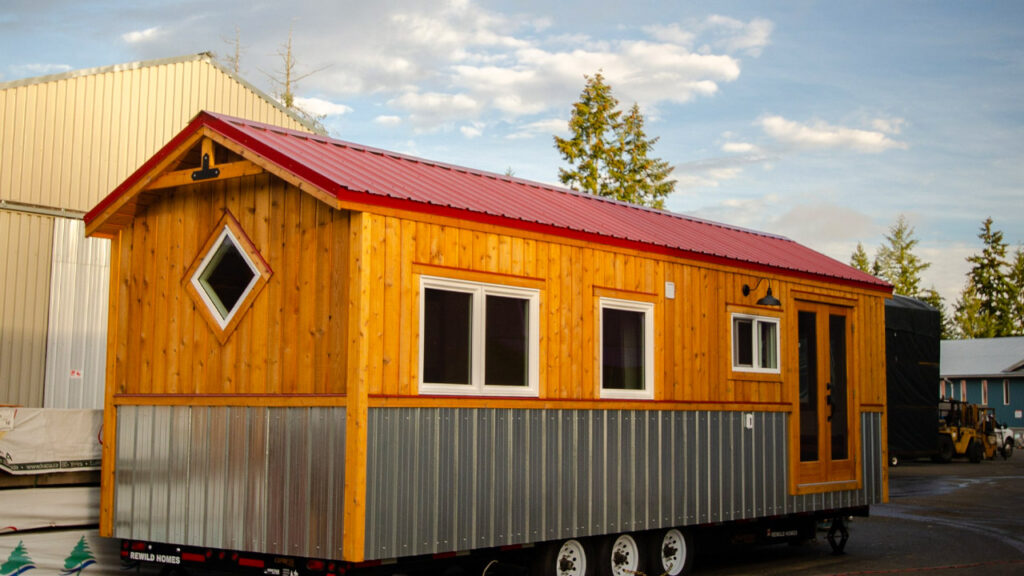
[966,430]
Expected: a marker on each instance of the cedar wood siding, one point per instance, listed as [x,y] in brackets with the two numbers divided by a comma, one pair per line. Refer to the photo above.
[292,340]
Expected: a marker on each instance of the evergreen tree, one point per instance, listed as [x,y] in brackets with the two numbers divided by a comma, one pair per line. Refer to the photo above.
[18,562]
[643,180]
[80,558]
[608,153]
[1015,279]
[984,308]
[932,297]
[896,262]
[859,259]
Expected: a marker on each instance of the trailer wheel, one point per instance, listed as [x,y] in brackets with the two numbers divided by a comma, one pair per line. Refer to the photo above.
[975,453]
[567,558]
[619,556]
[671,553]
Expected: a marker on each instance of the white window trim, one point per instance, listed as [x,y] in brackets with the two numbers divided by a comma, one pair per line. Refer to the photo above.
[647,308]
[479,291]
[229,236]
[984,392]
[755,334]
[1006,392]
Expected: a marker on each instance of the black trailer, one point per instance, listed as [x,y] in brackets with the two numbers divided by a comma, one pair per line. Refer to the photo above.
[913,330]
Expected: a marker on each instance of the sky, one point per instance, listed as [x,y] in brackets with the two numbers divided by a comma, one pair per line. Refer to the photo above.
[820,121]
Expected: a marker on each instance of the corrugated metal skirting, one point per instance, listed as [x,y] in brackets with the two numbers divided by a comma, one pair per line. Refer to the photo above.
[76,345]
[253,479]
[455,479]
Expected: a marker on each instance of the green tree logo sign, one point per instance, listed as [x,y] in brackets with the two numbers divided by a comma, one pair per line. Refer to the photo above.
[80,559]
[18,562]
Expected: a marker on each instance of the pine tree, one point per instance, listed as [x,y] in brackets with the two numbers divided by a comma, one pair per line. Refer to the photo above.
[896,262]
[18,562]
[932,297]
[984,308]
[608,153]
[80,558]
[859,259]
[1015,279]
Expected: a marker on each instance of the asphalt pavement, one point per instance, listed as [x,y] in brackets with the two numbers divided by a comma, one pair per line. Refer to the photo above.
[950,519]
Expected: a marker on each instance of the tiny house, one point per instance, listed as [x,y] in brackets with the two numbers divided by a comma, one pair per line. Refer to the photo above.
[342,355]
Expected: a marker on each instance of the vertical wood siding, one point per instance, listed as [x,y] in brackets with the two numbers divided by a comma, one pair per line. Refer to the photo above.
[26,243]
[68,140]
[290,341]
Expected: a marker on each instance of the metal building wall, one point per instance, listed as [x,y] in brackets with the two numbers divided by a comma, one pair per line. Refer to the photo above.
[453,479]
[255,479]
[77,334]
[25,248]
[67,140]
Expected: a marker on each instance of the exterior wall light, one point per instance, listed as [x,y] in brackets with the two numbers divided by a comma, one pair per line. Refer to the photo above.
[768,299]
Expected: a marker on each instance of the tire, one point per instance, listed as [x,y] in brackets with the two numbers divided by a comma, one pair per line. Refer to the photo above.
[620,555]
[945,454]
[1007,449]
[670,552]
[975,453]
[564,558]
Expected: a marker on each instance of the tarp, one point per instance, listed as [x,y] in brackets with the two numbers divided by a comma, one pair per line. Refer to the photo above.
[59,553]
[24,509]
[47,440]
[912,334]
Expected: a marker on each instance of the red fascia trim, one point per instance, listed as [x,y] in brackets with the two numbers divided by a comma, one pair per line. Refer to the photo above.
[147,166]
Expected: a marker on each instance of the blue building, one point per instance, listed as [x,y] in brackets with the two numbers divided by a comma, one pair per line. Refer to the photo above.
[986,371]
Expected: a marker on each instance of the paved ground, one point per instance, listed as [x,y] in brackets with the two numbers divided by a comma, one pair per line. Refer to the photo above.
[950,519]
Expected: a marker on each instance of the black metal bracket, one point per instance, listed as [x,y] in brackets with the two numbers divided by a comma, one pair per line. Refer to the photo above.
[205,173]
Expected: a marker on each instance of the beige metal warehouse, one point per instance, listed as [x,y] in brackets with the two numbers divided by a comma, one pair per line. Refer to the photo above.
[66,141]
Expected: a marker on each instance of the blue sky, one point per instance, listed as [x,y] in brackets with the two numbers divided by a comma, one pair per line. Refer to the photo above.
[821,121]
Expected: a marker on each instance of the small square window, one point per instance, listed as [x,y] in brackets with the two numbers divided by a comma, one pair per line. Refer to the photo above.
[755,344]
[478,338]
[627,349]
[226,277]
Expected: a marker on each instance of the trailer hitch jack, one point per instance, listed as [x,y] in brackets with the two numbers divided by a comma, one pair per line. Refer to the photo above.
[838,525]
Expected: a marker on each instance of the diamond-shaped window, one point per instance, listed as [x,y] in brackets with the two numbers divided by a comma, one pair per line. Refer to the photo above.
[227,276]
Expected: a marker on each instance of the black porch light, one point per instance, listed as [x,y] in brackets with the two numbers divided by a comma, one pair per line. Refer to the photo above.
[768,299]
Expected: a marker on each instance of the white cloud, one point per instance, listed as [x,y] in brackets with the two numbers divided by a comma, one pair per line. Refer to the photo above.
[320,107]
[888,125]
[738,36]
[387,120]
[739,147]
[820,135]
[544,128]
[140,36]
[472,131]
[39,69]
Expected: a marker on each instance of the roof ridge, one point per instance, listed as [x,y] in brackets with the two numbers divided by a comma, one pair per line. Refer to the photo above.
[325,139]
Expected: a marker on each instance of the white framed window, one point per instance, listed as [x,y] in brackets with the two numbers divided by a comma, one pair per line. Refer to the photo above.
[478,338]
[1006,392]
[626,349]
[755,344]
[984,392]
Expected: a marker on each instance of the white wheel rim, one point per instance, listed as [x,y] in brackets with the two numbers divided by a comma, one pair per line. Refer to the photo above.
[571,559]
[625,556]
[673,552]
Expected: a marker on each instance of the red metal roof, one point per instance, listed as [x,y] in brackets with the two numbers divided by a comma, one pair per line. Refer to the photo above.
[359,174]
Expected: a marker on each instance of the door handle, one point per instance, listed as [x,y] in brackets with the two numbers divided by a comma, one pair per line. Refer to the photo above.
[828,400]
